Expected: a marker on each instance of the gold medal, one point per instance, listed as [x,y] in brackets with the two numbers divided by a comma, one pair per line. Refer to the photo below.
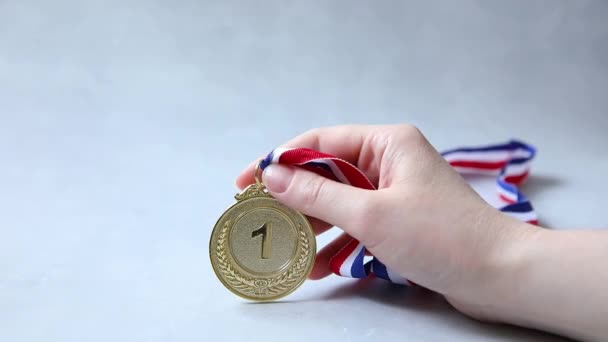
[260,249]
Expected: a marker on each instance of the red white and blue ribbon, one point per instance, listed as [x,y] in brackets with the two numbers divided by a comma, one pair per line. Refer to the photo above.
[509,163]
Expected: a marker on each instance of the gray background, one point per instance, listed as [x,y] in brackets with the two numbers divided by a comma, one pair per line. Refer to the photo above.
[124,123]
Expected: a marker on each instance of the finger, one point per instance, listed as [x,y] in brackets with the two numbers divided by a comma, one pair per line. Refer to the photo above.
[318,226]
[353,143]
[321,269]
[339,204]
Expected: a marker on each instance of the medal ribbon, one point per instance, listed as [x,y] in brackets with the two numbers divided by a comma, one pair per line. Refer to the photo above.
[509,163]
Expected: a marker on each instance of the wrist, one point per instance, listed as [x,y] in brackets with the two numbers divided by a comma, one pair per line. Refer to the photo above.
[507,266]
[540,278]
[491,290]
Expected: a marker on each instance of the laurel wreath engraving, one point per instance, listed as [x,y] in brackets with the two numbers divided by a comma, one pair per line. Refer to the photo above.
[261,287]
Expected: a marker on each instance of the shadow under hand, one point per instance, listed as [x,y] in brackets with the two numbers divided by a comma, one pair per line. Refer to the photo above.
[404,297]
[413,300]
[535,184]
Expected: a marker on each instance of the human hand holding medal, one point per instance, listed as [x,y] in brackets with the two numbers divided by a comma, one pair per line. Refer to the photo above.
[425,222]
[263,249]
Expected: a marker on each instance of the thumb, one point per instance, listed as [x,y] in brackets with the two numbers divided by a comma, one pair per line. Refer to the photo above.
[342,205]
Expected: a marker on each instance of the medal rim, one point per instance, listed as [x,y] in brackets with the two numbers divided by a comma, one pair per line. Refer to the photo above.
[250,193]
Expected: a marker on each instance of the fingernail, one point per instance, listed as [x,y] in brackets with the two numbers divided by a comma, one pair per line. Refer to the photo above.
[276,178]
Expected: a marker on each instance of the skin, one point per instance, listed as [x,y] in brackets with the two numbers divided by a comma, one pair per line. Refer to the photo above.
[428,224]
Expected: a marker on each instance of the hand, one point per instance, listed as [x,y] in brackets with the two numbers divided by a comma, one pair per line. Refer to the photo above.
[424,222]
[427,224]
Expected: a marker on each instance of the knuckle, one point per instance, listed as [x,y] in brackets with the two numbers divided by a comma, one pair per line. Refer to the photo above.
[313,131]
[410,132]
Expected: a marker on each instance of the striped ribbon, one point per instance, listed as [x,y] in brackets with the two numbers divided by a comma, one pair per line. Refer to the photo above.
[509,163]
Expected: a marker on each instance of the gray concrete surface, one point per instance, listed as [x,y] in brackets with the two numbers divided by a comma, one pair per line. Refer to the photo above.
[123,124]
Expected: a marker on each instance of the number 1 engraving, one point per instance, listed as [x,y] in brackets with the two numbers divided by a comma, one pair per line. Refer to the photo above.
[266,231]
